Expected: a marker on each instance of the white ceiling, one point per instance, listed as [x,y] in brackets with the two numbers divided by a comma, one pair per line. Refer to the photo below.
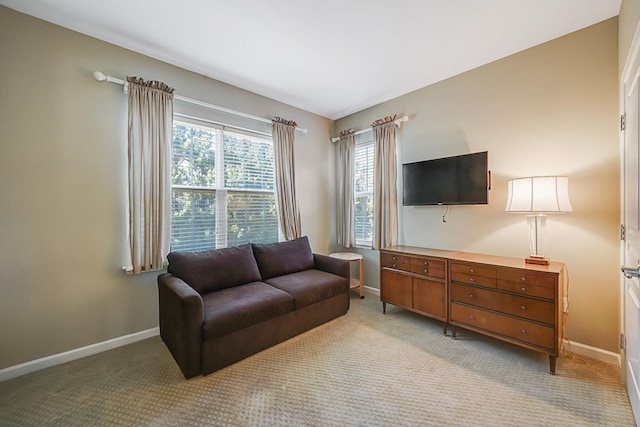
[329,57]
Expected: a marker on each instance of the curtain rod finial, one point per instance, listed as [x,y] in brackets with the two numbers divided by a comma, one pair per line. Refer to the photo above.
[99,76]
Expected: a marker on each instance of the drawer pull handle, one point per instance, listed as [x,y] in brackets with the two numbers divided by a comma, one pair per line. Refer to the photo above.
[522,279]
[394,266]
[523,289]
[522,307]
[426,271]
[472,317]
[522,331]
[426,263]
[471,270]
[472,296]
[394,258]
[471,279]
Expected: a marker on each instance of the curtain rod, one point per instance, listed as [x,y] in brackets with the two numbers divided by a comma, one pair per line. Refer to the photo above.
[223,125]
[103,77]
[397,122]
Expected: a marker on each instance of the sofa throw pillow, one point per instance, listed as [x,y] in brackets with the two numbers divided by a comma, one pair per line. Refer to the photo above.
[277,259]
[212,270]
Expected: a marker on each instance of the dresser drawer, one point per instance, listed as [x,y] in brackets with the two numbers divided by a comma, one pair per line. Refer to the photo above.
[428,266]
[531,309]
[399,262]
[527,283]
[521,330]
[425,266]
[473,274]
[473,270]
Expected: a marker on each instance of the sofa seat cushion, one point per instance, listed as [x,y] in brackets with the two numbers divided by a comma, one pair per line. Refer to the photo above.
[242,306]
[215,269]
[310,286]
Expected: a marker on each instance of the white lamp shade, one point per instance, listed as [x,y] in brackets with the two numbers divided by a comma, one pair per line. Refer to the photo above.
[538,194]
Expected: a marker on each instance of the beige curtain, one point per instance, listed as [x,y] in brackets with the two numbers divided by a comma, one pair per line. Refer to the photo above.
[346,189]
[385,201]
[150,131]
[283,133]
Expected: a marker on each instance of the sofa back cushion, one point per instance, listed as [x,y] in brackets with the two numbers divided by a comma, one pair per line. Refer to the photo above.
[277,259]
[212,270]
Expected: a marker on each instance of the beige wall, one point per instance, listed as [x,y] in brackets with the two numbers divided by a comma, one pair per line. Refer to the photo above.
[63,163]
[550,110]
[627,22]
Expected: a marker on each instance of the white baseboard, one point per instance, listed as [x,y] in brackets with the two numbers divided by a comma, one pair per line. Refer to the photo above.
[576,348]
[592,352]
[372,290]
[78,353]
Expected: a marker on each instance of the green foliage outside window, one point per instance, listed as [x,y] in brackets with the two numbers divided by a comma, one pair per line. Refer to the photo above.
[251,215]
[364,177]
[194,156]
[244,193]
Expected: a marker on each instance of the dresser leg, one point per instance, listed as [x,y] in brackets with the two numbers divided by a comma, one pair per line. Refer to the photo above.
[552,364]
[453,332]
[384,307]
[444,328]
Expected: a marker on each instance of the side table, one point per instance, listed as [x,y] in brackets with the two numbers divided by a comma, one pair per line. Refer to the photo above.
[350,256]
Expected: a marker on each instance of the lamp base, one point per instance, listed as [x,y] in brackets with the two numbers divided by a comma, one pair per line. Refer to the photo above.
[537,259]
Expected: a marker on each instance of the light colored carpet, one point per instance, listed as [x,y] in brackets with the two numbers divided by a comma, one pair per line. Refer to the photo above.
[364,368]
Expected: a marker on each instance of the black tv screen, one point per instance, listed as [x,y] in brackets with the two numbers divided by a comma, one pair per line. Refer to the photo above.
[456,180]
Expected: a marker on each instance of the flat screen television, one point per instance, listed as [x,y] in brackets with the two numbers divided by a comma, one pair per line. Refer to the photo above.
[456,180]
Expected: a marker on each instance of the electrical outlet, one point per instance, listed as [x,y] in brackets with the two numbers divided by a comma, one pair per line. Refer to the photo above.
[565,305]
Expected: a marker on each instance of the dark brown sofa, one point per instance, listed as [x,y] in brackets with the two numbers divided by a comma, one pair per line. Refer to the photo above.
[217,307]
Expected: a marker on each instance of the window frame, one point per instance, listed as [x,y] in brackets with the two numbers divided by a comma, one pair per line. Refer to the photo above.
[219,188]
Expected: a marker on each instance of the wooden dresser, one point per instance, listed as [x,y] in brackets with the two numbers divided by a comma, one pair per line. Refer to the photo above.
[501,297]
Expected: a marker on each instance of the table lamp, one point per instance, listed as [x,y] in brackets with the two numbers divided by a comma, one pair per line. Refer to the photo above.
[536,197]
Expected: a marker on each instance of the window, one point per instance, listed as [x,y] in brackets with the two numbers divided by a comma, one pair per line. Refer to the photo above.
[364,189]
[222,189]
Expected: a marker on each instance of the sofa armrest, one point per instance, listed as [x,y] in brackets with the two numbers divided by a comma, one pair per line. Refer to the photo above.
[181,314]
[332,265]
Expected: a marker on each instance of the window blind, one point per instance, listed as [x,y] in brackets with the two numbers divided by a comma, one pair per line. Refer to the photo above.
[223,189]
[364,179]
